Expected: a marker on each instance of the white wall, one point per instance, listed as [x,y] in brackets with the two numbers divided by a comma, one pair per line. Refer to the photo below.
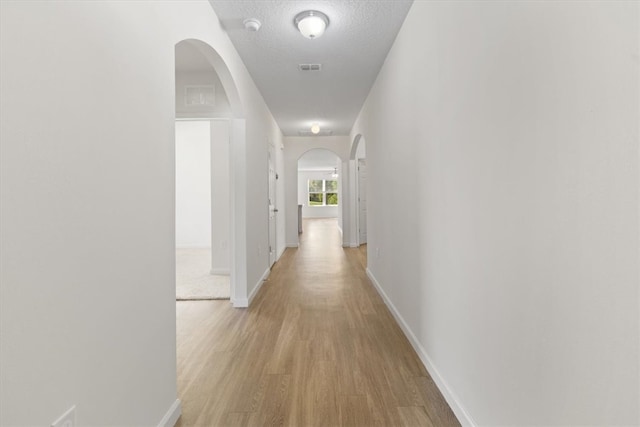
[361,150]
[199,78]
[257,185]
[87,239]
[294,147]
[193,184]
[314,211]
[202,189]
[341,193]
[220,197]
[508,131]
[358,151]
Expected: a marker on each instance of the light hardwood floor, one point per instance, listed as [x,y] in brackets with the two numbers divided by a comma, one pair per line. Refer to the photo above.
[317,347]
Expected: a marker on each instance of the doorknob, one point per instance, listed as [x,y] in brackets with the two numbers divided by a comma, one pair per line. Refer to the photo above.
[275,210]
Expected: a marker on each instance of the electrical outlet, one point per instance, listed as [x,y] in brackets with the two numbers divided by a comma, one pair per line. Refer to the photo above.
[68,419]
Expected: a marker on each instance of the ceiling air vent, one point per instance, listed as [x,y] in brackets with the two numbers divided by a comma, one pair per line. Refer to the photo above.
[310,67]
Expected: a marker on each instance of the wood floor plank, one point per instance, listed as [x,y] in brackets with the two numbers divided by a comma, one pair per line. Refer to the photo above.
[354,412]
[414,416]
[273,409]
[237,419]
[436,406]
[317,347]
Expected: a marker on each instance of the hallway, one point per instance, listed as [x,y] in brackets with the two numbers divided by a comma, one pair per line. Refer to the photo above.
[316,347]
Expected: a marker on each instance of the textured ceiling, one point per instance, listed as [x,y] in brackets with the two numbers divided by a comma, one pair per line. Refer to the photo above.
[351,51]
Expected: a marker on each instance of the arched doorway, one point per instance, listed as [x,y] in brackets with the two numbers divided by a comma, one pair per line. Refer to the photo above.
[208,104]
[319,187]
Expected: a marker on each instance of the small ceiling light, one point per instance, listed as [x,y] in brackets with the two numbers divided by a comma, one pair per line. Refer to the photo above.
[311,23]
[252,24]
[315,128]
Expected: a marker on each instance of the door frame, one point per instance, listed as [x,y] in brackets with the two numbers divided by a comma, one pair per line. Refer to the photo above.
[358,201]
[272,203]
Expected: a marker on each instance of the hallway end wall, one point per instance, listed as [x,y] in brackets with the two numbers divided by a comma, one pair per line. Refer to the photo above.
[504,225]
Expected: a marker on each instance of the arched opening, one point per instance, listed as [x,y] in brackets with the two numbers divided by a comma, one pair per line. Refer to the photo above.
[319,188]
[209,128]
[358,191]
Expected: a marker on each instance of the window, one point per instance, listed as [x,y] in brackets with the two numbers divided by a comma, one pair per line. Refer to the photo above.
[331,190]
[323,192]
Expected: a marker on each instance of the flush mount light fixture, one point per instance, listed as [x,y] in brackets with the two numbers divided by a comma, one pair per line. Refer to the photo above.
[311,23]
[315,128]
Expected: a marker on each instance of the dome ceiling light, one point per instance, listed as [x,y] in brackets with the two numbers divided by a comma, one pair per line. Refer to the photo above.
[315,128]
[311,23]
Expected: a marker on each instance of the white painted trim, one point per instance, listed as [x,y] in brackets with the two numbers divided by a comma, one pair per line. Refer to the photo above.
[220,271]
[171,417]
[450,396]
[354,245]
[255,290]
[245,302]
[238,214]
[316,169]
[240,303]
[292,245]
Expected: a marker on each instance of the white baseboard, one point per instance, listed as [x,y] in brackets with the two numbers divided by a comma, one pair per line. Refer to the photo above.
[259,284]
[245,302]
[354,245]
[451,397]
[292,245]
[284,248]
[220,271]
[171,417]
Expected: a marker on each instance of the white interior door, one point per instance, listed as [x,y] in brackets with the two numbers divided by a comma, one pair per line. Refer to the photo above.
[362,201]
[272,206]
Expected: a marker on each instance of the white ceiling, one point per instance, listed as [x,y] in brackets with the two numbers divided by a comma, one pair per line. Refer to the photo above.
[351,51]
